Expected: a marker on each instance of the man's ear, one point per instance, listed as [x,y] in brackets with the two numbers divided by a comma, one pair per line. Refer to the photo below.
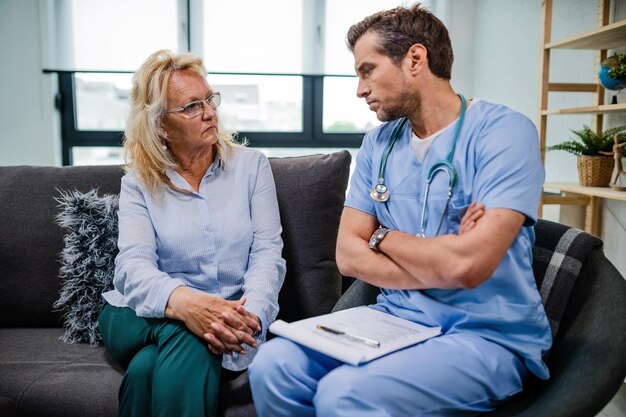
[418,58]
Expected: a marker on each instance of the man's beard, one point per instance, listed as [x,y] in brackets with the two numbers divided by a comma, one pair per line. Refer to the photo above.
[405,105]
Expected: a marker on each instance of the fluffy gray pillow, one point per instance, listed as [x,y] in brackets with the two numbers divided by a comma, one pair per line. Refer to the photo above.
[87,261]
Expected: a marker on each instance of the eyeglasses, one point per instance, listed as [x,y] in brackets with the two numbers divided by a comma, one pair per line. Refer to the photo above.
[196,108]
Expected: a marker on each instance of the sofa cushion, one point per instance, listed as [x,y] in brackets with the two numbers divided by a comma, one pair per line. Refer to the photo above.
[42,376]
[46,377]
[32,241]
[87,261]
[311,192]
[7,407]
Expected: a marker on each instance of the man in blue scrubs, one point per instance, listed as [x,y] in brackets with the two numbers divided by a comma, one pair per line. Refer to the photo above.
[477,285]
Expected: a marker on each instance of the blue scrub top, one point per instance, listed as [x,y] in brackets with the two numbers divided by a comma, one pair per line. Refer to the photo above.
[498,164]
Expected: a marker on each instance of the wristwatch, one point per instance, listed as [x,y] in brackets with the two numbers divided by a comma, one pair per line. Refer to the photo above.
[377,237]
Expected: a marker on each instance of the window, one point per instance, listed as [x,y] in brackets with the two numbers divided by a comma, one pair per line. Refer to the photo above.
[97,155]
[101,101]
[251,36]
[285,82]
[339,16]
[108,37]
[343,112]
[258,103]
[117,34]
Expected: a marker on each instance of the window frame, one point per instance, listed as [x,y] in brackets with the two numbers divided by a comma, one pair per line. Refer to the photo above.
[190,39]
[311,136]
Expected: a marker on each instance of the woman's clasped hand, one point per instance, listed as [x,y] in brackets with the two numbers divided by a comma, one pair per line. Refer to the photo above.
[225,325]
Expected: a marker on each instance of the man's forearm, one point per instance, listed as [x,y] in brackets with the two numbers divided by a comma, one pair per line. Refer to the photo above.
[434,263]
[355,259]
[456,261]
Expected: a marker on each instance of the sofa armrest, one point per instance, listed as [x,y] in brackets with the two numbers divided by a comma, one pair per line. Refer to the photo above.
[588,358]
[358,294]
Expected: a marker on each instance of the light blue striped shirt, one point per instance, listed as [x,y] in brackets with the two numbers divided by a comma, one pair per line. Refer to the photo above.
[224,240]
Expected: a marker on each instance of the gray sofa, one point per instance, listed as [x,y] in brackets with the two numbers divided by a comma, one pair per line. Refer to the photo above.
[40,375]
[585,297]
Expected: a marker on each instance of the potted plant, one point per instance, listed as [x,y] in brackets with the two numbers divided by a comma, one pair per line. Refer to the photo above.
[618,70]
[594,168]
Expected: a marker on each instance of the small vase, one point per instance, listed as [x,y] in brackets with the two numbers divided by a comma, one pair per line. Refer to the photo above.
[595,171]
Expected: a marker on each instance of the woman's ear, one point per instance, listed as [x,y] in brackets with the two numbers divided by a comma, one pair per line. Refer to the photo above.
[418,58]
[162,132]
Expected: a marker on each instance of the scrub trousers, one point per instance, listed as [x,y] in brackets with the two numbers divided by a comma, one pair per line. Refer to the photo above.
[169,370]
[450,375]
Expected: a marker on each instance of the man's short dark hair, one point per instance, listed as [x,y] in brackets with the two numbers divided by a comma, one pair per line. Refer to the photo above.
[402,27]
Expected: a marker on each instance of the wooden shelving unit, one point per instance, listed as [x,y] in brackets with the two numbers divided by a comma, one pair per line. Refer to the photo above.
[605,36]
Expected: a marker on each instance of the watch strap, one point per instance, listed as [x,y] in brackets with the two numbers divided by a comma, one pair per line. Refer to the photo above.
[377,237]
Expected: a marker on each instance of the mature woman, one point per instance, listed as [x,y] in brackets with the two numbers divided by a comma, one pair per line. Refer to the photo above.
[199,265]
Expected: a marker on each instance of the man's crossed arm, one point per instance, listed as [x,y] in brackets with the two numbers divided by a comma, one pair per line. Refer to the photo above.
[406,261]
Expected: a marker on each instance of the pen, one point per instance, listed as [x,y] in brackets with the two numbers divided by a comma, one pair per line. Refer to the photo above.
[369,342]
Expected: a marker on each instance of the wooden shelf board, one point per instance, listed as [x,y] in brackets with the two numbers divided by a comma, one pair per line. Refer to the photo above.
[570,199]
[605,108]
[603,192]
[607,37]
[573,87]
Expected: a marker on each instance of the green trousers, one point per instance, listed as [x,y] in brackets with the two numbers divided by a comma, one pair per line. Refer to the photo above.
[169,370]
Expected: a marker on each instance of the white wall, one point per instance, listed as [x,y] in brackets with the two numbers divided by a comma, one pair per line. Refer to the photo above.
[506,62]
[29,128]
[459,18]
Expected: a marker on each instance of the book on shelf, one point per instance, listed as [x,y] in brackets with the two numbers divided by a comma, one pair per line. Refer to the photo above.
[355,336]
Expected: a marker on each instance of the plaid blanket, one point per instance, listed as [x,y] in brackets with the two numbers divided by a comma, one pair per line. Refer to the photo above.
[559,253]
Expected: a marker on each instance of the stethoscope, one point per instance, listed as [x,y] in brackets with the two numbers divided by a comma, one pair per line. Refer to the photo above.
[380,192]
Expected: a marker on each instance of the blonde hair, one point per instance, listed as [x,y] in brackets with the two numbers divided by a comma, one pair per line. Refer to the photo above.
[145,150]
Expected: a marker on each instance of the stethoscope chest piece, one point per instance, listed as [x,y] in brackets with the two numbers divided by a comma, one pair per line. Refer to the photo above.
[380,192]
